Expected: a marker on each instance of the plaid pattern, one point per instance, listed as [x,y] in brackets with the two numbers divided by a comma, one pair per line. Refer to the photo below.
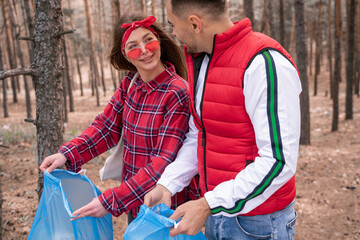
[155,120]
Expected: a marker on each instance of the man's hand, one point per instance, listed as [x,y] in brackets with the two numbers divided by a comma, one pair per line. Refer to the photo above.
[158,195]
[93,209]
[53,161]
[193,217]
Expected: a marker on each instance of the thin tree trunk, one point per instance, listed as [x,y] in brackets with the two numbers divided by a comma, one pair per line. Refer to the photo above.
[30,27]
[337,66]
[301,54]
[143,6]
[76,52]
[18,49]
[265,27]
[131,5]
[48,87]
[282,22]
[318,46]
[350,59]
[10,50]
[271,19]
[249,11]
[68,88]
[5,108]
[93,55]
[357,45]
[100,53]
[330,47]
[153,7]
[312,33]
[163,13]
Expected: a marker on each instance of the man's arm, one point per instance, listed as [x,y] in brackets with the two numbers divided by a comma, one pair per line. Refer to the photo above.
[271,88]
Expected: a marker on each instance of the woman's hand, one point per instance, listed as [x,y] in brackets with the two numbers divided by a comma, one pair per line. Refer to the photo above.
[158,195]
[93,209]
[53,161]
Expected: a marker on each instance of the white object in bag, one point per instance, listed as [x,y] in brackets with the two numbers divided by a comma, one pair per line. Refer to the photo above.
[113,166]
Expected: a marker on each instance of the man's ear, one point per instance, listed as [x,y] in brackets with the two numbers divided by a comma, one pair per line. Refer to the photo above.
[195,22]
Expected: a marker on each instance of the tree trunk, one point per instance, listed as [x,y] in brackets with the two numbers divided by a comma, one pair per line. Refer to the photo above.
[350,58]
[76,52]
[318,46]
[48,85]
[18,49]
[30,27]
[101,41]
[5,108]
[337,66]
[330,47]
[265,26]
[271,19]
[357,51]
[163,13]
[68,88]
[143,6]
[153,7]
[249,11]
[301,54]
[312,33]
[94,66]
[282,22]
[10,50]
[131,5]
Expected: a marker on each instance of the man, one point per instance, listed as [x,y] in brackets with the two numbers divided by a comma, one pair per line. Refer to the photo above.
[244,128]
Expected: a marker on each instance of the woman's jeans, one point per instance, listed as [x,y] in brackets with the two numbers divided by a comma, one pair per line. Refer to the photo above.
[278,225]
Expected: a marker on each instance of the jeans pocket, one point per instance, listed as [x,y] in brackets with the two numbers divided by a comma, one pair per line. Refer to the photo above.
[255,229]
[290,226]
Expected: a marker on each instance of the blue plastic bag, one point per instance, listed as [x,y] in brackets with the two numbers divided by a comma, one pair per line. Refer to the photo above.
[64,192]
[154,224]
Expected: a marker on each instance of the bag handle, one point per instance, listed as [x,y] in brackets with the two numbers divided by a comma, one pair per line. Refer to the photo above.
[132,81]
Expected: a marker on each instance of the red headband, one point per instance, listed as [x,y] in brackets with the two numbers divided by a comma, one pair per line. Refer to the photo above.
[146,23]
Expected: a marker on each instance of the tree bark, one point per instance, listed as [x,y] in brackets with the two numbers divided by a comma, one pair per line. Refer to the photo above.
[153,7]
[93,57]
[18,49]
[67,78]
[350,59]
[337,66]
[5,108]
[301,54]
[101,41]
[249,11]
[30,27]
[143,6]
[357,50]
[318,46]
[76,52]
[282,22]
[330,47]
[48,84]
[10,50]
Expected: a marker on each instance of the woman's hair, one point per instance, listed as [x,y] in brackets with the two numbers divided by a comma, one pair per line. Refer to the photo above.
[170,52]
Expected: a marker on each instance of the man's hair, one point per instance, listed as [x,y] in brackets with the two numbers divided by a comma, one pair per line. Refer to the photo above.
[212,7]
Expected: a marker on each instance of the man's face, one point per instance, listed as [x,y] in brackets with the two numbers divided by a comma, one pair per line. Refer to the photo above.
[181,29]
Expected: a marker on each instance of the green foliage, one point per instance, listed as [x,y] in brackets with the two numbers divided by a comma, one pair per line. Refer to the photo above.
[16,136]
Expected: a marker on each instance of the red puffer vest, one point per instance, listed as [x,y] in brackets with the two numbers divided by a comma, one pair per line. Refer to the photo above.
[226,140]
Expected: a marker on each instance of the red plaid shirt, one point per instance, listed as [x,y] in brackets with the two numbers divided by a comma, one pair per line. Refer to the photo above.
[155,120]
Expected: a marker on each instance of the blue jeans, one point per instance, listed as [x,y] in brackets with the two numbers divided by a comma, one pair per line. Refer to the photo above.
[278,226]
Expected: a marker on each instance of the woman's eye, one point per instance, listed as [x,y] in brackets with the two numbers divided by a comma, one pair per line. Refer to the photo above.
[149,39]
[132,47]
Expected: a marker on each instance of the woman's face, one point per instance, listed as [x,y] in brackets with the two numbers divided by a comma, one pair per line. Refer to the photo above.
[142,49]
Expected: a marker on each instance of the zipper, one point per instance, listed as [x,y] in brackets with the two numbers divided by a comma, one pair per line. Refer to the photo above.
[203,140]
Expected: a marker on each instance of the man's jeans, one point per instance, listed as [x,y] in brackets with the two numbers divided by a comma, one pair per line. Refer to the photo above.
[278,225]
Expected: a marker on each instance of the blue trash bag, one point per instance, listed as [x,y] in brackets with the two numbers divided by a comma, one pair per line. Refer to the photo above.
[64,192]
[154,224]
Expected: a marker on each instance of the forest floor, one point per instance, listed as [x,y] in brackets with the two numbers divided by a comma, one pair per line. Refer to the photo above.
[327,178]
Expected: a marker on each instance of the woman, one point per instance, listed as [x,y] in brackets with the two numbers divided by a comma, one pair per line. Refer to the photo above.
[154,114]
